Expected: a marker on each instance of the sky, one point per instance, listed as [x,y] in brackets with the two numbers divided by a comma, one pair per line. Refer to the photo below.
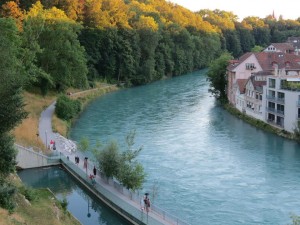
[289,9]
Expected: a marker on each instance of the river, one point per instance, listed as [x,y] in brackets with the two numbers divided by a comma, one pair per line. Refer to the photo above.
[209,167]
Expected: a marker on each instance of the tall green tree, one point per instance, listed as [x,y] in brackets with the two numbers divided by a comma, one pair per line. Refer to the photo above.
[62,56]
[11,103]
[217,76]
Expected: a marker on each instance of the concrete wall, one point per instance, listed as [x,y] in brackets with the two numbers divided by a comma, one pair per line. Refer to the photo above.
[27,158]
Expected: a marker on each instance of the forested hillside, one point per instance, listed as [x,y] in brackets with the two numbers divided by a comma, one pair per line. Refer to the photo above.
[74,42]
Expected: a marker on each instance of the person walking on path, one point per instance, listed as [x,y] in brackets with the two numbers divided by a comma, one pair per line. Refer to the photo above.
[95,171]
[147,202]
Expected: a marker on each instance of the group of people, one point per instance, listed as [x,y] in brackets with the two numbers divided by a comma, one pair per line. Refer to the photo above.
[52,145]
[146,203]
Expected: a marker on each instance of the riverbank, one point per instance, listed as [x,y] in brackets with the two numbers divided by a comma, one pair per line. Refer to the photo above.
[85,97]
[259,124]
[27,133]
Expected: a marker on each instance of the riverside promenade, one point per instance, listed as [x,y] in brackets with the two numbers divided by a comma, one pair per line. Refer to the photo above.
[109,191]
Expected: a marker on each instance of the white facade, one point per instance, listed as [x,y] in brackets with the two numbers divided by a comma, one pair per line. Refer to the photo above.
[282,101]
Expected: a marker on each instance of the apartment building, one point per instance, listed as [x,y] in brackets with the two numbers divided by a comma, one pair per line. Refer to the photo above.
[282,101]
[257,86]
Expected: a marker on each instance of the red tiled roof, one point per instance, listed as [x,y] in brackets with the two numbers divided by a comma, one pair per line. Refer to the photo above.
[284,47]
[268,60]
[257,84]
[242,84]
[234,63]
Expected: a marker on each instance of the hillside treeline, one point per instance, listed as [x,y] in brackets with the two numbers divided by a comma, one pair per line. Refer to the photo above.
[72,43]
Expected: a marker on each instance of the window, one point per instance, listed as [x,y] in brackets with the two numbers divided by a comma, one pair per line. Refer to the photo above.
[271,117]
[250,66]
[280,95]
[280,109]
[298,113]
[271,105]
[271,83]
[280,121]
[271,94]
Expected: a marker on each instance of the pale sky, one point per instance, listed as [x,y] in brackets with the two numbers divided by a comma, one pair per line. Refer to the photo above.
[289,9]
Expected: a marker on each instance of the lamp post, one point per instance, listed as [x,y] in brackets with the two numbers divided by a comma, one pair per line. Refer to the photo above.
[89,214]
[46,139]
[85,164]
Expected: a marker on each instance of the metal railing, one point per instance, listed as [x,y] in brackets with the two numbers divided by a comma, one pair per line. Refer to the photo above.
[115,186]
[277,111]
[131,196]
[274,99]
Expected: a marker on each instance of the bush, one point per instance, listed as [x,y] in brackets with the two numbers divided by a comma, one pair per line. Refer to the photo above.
[28,192]
[7,192]
[67,108]
[64,204]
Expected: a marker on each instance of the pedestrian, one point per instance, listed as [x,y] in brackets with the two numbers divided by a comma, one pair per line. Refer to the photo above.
[147,202]
[95,171]
[148,205]
[76,159]
[85,163]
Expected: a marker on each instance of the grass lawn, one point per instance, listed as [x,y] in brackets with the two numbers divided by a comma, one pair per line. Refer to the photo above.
[42,209]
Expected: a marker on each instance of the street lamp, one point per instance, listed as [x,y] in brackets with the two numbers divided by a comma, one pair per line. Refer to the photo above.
[46,140]
[85,164]
[89,214]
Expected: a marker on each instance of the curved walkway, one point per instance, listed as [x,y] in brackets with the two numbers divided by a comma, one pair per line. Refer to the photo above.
[66,147]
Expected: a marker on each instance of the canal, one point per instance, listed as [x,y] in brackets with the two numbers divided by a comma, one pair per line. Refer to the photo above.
[81,203]
[207,166]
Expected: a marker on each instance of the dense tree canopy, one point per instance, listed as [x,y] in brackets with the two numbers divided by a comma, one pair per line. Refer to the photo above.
[68,42]
[11,103]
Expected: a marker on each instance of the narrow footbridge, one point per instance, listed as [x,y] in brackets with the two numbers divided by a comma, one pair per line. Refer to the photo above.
[109,191]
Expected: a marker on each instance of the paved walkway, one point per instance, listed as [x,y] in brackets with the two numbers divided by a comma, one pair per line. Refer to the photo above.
[66,147]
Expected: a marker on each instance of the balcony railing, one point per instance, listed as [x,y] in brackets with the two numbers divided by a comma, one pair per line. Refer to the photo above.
[270,97]
[281,112]
[273,99]
[275,123]
[277,111]
[280,100]
[271,109]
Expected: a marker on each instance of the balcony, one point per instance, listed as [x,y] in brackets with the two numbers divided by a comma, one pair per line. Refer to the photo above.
[273,99]
[271,109]
[280,112]
[270,97]
[290,86]
[280,100]
[276,123]
[277,111]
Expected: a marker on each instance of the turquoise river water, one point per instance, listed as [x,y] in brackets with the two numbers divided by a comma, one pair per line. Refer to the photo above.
[210,167]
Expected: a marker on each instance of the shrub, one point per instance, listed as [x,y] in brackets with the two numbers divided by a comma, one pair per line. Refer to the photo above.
[64,204]
[67,108]
[7,192]
[28,192]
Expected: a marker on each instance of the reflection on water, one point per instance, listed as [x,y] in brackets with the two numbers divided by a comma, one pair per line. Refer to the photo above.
[210,167]
[87,209]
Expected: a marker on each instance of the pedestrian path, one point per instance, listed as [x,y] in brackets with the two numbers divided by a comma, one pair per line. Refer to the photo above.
[108,190]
